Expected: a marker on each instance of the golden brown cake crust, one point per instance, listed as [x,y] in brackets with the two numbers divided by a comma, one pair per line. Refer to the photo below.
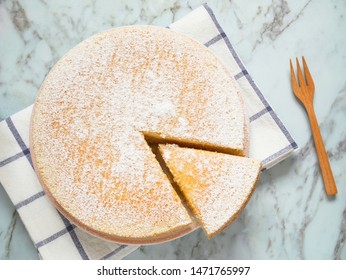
[91,115]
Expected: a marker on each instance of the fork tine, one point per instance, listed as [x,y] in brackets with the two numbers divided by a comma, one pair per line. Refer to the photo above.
[309,80]
[301,78]
[293,78]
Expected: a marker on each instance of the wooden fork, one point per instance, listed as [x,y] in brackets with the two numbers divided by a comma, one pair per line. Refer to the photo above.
[304,91]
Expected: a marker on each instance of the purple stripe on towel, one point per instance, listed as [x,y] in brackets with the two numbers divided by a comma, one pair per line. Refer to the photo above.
[274,116]
[117,250]
[215,39]
[248,77]
[15,157]
[276,155]
[29,200]
[228,43]
[70,229]
[54,236]
[241,74]
[19,139]
[260,113]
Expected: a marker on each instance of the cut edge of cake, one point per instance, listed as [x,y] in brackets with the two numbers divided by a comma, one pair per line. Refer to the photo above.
[159,138]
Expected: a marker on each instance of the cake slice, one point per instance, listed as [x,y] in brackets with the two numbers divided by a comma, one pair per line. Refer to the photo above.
[216,186]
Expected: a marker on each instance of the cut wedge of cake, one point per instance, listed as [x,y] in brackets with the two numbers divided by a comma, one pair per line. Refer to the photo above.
[216,186]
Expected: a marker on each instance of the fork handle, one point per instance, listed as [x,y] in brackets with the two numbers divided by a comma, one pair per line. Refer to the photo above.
[327,174]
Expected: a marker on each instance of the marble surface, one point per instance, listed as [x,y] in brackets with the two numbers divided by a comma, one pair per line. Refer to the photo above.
[289,215]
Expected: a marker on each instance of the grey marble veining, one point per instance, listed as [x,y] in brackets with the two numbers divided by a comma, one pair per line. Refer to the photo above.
[289,215]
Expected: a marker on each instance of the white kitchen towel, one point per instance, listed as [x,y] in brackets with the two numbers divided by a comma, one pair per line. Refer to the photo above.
[53,235]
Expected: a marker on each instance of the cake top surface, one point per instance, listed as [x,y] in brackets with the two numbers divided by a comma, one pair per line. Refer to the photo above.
[92,114]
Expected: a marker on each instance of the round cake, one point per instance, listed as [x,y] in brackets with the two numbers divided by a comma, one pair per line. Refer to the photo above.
[99,109]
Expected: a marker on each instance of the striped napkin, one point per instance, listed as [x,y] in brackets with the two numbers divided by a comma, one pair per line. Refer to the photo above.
[53,235]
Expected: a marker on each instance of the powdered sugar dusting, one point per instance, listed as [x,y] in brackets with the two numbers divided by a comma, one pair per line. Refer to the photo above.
[91,109]
[216,186]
